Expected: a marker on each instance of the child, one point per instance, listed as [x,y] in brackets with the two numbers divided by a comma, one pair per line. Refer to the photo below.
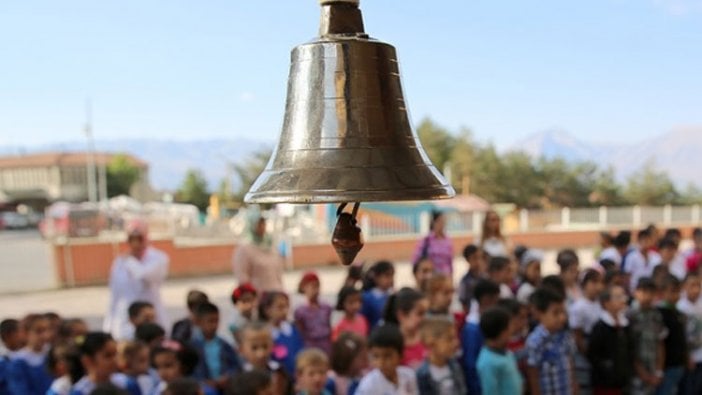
[349,358]
[287,341]
[71,329]
[98,354]
[422,271]
[647,332]
[173,361]
[691,306]
[641,261]
[253,382]
[311,371]
[63,361]
[609,345]
[13,336]
[133,361]
[531,274]
[139,313]
[385,347]
[549,348]
[583,315]
[406,308]
[476,261]
[244,301]
[376,289]
[676,351]
[313,319]
[182,330]
[152,334]
[217,358]
[519,323]
[487,294]
[349,301]
[569,263]
[440,292]
[255,348]
[183,386]
[440,373]
[497,366]
[499,271]
[27,373]
[668,251]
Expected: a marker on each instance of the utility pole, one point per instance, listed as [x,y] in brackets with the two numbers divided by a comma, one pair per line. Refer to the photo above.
[90,163]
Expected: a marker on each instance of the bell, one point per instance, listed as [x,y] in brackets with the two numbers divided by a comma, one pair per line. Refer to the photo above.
[347,239]
[346,134]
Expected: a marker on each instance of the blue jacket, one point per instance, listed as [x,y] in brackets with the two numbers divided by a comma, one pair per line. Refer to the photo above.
[471,343]
[373,305]
[427,386]
[287,344]
[4,365]
[229,359]
[28,379]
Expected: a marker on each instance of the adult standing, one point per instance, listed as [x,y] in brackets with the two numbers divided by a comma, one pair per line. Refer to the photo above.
[136,276]
[436,246]
[491,240]
[256,261]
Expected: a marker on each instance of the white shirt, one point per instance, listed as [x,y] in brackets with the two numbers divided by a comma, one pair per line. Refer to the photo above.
[678,267]
[442,376]
[693,310]
[612,254]
[375,383]
[506,292]
[495,247]
[639,265]
[584,314]
[134,280]
[524,292]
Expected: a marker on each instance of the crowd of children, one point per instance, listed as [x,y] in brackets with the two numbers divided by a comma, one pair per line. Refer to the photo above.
[630,323]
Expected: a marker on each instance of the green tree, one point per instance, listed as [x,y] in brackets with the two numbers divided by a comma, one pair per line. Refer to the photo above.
[437,142]
[120,175]
[606,191]
[193,190]
[650,187]
[691,195]
[249,170]
[461,161]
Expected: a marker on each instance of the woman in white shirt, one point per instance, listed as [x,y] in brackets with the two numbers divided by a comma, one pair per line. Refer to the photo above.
[491,240]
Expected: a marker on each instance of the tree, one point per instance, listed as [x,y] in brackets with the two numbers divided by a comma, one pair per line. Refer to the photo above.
[606,191]
[437,142]
[249,170]
[650,187]
[193,190]
[120,175]
[461,161]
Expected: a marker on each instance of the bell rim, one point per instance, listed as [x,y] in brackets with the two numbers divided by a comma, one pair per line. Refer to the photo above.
[310,197]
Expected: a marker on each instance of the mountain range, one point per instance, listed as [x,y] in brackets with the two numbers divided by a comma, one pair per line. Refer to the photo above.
[678,152]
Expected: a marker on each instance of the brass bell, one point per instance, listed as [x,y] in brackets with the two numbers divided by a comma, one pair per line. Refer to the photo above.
[346,134]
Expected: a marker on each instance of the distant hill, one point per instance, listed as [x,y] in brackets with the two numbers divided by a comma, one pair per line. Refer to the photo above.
[678,152]
[168,160]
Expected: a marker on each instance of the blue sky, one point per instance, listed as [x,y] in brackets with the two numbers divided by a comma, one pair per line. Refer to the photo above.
[177,69]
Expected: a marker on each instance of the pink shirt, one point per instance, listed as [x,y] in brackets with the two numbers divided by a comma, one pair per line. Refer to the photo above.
[357,325]
[439,250]
[414,355]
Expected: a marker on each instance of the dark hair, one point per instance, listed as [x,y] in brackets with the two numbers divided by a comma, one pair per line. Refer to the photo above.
[589,275]
[646,284]
[248,383]
[65,330]
[93,343]
[697,232]
[513,306]
[606,295]
[485,287]
[30,319]
[355,273]
[670,282]
[182,386]
[148,332]
[643,234]
[194,298]
[519,252]
[344,350]
[403,300]
[435,215]
[345,293]
[497,263]
[555,283]
[136,308]
[8,327]
[606,236]
[52,316]
[415,265]
[108,389]
[692,275]
[387,336]
[494,321]
[608,264]
[542,298]
[566,259]
[667,243]
[378,268]
[206,308]
[187,357]
[469,251]
[672,233]
[267,299]
[69,353]
[623,239]
[610,275]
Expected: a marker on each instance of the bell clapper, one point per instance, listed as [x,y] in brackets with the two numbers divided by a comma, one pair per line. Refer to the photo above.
[347,239]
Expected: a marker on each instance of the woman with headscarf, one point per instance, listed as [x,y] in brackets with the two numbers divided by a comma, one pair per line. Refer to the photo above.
[491,240]
[136,276]
[256,261]
[436,246]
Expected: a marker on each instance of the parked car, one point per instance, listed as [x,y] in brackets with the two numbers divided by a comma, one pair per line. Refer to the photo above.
[14,220]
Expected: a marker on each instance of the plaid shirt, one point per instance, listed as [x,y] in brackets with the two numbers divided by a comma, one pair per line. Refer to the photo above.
[647,329]
[552,355]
